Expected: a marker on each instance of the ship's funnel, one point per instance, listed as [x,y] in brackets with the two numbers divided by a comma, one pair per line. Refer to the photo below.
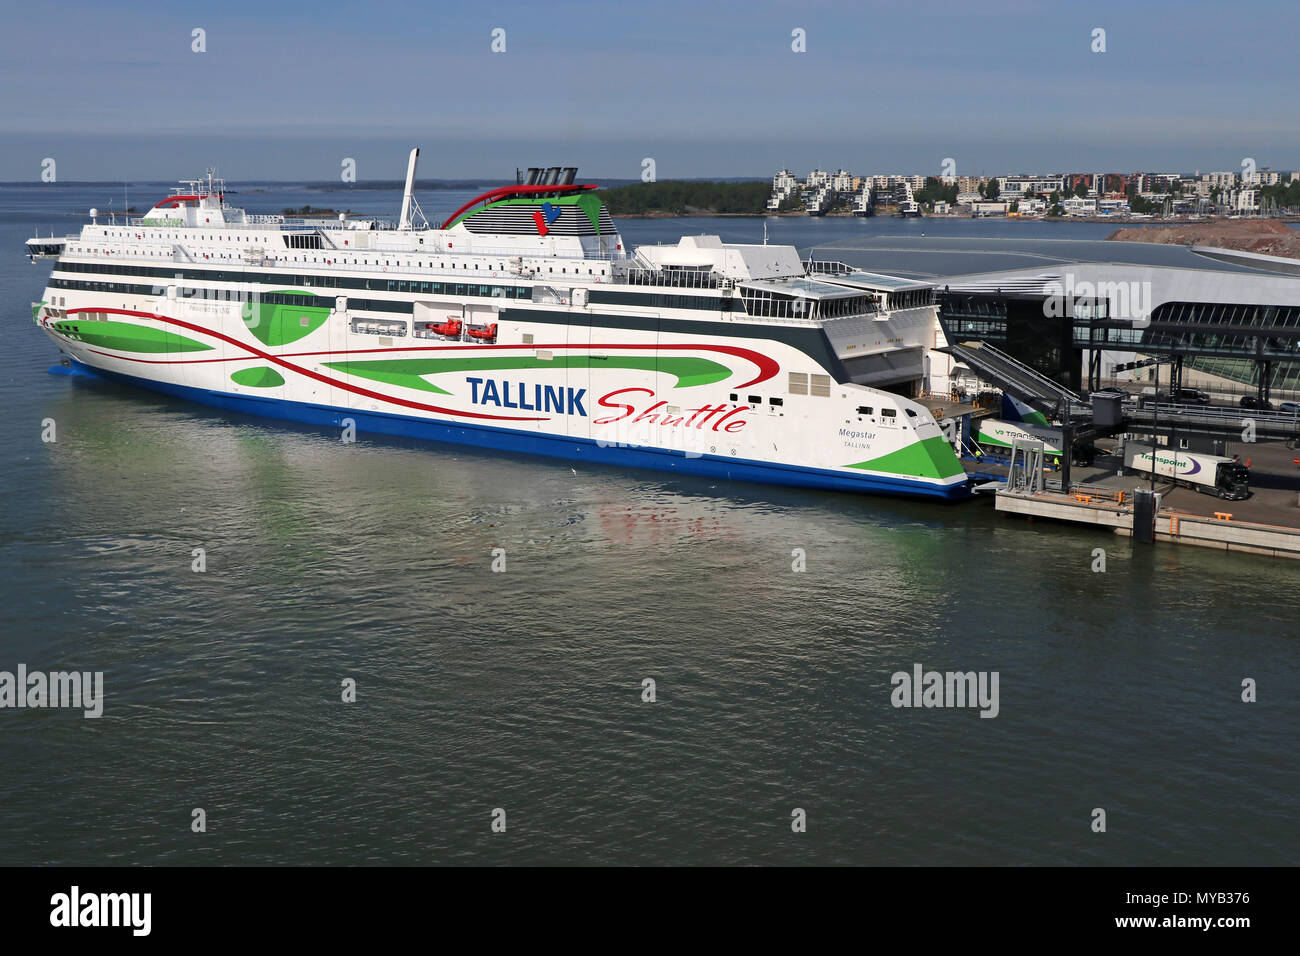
[404,221]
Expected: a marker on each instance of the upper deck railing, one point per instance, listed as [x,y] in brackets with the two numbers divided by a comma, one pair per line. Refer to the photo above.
[828,267]
[260,221]
[673,278]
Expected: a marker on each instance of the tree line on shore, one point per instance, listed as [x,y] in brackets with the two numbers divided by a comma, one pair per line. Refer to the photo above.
[681,197]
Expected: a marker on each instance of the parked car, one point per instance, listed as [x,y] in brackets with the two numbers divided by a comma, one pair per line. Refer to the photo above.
[1250,401]
[1191,396]
[1291,408]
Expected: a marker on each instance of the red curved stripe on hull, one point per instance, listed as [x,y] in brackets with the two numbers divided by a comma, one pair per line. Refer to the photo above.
[356,389]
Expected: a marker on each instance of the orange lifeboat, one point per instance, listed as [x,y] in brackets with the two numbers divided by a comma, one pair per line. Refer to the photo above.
[449,328]
[488,333]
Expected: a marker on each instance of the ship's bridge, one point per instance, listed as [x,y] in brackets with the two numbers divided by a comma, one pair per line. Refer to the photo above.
[192,210]
[47,247]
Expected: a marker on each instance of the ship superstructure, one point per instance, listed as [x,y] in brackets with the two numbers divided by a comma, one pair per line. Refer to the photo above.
[522,322]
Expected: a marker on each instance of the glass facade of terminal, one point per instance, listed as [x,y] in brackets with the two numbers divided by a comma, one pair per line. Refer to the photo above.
[1240,342]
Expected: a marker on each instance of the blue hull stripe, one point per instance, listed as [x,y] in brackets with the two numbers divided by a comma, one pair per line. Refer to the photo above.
[554,446]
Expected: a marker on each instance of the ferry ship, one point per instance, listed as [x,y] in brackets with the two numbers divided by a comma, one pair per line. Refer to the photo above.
[521,323]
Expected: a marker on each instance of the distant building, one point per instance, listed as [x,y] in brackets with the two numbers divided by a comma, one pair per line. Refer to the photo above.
[783,186]
[862,198]
[1112,184]
[1074,206]
[1087,180]
[1261,177]
[1019,185]
[1242,200]
[1153,183]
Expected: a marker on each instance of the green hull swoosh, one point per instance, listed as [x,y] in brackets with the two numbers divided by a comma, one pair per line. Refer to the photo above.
[261,376]
[931,458]
[283,324]
[126,337]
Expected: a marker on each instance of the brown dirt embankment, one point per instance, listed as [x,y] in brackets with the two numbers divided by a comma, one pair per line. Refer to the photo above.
[1267,237]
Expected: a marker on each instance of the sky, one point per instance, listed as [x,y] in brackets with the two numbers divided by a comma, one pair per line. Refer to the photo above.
[116,91]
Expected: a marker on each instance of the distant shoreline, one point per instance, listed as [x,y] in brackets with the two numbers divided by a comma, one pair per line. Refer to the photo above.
[1113,220]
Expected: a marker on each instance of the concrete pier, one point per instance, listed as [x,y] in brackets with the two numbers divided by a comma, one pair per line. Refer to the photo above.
[1226,533]
[1268,523]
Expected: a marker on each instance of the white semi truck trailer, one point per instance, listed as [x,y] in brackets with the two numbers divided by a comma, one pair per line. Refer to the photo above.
[1212,474]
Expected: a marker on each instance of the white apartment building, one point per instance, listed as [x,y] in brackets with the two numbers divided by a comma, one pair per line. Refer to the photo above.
[1261,177]
[1018,185]
[1242,200]
[783,186]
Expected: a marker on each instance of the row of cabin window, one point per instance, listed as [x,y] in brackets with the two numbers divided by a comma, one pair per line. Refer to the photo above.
[564,270]
[757,400]
[331,282]
[233,295]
